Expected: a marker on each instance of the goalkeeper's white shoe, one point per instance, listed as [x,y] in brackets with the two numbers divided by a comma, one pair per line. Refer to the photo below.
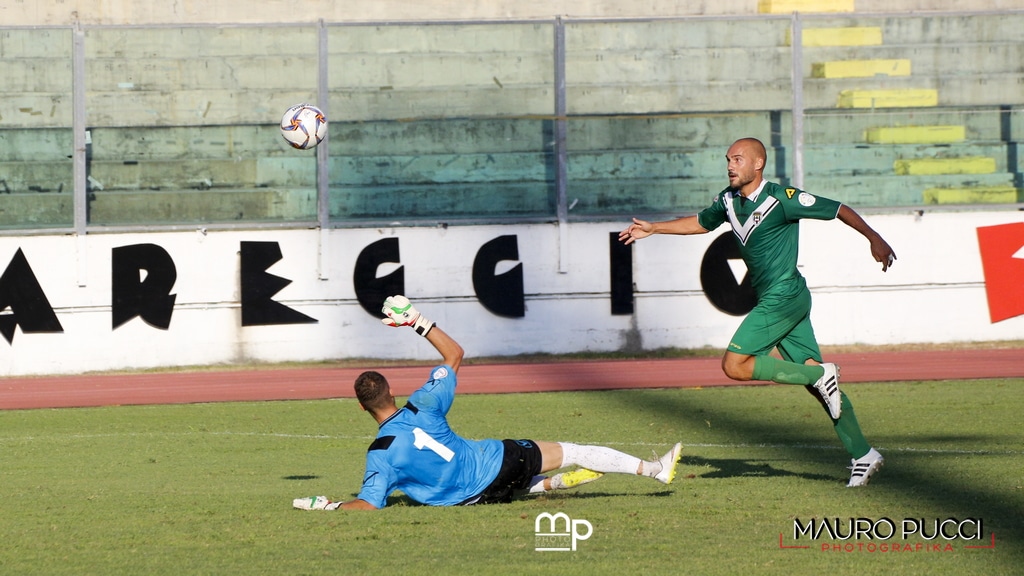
[315,503]
[668,464]
[828,388]
[864,467]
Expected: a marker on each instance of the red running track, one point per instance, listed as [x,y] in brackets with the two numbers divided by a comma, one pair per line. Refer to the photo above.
[316,383]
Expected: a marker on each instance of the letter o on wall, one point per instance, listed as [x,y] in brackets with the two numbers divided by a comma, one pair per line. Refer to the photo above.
[718,281]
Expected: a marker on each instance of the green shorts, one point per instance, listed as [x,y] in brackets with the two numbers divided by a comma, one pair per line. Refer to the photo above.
[779,322]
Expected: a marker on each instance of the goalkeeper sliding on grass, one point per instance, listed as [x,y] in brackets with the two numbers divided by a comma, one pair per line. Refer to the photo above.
[418,453]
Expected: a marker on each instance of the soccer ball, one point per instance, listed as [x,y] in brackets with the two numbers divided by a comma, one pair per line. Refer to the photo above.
[304,126]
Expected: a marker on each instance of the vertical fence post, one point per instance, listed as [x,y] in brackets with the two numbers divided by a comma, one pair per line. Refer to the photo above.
[323,190]
[1012,148]
[798,101]
[561,154]
[79,198]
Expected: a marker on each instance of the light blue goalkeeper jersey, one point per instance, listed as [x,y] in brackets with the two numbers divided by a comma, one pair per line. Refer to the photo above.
[418,453]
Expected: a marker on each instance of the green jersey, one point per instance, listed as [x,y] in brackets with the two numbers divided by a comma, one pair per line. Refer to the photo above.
[767,229]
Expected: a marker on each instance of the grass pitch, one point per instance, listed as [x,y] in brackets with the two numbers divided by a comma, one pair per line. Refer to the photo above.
[207,488]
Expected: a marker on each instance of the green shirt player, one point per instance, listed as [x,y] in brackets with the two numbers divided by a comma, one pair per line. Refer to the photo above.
[765,217]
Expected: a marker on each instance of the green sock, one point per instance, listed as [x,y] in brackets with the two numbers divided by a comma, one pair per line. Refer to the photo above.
[770,368]
[849,431]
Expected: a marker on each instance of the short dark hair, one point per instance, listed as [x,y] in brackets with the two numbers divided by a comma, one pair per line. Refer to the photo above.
[373,391]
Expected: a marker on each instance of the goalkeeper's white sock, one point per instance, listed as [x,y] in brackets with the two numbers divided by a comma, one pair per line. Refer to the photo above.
[537,484]
[602,459]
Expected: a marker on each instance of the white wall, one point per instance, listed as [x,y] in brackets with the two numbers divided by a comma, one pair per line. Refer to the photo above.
[934,293]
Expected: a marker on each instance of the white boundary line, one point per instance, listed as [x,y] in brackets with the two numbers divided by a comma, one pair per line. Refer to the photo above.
[367,438]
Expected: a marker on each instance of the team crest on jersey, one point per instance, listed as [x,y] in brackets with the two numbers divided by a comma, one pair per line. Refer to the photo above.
[743,230]
[806,199]
[790,192]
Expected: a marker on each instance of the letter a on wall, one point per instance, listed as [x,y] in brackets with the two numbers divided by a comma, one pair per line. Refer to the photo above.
[371,290]
[502,294]
[21,294]
[133,293]
[259,286]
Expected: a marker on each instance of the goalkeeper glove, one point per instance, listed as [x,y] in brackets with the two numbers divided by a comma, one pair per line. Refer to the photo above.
[315,503]
[400,312]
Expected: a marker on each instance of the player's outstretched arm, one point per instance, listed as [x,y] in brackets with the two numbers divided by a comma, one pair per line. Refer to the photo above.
[880,249]
[642,228]
[450,350]
[399,311]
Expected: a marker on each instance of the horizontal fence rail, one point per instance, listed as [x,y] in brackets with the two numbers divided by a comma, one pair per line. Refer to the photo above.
[126,128]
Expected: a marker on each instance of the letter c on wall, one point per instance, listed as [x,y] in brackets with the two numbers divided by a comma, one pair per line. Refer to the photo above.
[371,290]
[502,294]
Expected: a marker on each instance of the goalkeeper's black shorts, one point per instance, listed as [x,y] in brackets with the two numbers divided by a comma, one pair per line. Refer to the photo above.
[520,462]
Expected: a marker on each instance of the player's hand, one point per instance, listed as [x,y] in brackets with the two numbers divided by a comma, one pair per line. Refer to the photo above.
[315,503]
[882,252]
[400,312]
[635,231]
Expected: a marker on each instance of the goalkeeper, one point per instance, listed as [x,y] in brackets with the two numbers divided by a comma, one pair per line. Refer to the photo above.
[418,453]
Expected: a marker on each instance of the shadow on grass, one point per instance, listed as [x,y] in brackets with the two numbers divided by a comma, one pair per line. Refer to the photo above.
[403,500]
[904,487]
[731,468]
[574,495]
[300,477]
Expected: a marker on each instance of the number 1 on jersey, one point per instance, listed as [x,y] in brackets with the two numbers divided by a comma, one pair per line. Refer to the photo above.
[424,440]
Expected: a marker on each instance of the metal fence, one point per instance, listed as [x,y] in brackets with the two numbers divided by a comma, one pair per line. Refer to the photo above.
[122,128]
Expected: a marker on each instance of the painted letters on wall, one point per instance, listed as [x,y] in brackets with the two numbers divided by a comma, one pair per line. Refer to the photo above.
[23,302]
[1002,258]
[259,286]
[141,279]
